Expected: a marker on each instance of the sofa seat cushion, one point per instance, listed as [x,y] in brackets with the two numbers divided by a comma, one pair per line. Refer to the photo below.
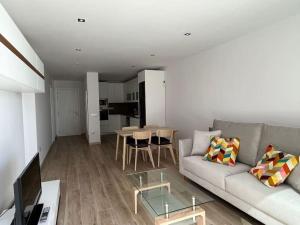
[281,203]
[213,173]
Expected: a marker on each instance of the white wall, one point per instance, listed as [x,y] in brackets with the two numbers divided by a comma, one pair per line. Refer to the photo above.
[11,144]
[43,120]
[29,126]
[254,78]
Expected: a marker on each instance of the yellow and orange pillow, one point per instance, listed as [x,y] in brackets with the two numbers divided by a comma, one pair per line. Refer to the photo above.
[223,150]
[274,167]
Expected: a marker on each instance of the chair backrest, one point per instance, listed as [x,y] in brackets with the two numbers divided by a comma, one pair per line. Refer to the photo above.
[130,128]
[142,135]
[165,133]
[150,126]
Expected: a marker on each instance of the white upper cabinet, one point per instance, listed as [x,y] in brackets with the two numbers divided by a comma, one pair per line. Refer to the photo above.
[21,69]
[131,89]
[103,90]
[114,92]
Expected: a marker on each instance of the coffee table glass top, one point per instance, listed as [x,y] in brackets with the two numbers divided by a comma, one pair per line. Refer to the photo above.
[183,194]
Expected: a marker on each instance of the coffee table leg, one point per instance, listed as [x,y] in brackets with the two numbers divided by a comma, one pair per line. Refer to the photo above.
[136,192]
[169,187]
[201,220]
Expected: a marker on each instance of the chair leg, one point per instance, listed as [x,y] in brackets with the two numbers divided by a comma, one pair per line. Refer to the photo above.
[127,154]
[136,155]
[151,157]
[130,153]
[143,155]
[172,154]
[165,153]
[158,156]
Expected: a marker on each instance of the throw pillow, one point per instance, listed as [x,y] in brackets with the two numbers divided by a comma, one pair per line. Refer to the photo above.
[274,167]
[223,150]
[202,141]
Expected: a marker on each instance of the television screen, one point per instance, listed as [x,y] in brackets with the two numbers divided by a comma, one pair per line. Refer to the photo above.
[28,190]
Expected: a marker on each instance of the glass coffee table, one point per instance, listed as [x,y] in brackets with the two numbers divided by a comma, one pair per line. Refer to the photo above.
[168,197]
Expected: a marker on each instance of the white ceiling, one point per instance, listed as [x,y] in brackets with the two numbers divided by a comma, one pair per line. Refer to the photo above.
[119,34]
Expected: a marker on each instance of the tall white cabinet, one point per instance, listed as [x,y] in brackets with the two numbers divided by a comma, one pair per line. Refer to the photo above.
[155,96]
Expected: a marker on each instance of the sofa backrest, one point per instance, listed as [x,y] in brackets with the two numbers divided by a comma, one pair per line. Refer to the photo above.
[286,139]
[249,135]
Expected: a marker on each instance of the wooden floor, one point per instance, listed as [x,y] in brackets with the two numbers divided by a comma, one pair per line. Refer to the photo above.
[95,190]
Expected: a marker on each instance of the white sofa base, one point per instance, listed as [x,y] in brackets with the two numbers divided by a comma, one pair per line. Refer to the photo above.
[250,210]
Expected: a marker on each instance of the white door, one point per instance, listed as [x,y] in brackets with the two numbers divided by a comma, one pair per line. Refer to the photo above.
[67,111]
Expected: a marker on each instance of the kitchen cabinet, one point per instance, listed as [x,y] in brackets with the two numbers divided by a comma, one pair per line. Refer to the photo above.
[114,92]
[134,121]
[114,122]
[130,90]
[103,90]
[109,126]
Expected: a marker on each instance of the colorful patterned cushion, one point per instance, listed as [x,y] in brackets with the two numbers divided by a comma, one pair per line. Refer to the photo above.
[274,167]
[223,150]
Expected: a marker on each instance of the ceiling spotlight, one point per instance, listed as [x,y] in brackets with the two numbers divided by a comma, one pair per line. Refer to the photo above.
[81,20]
[187,34]
[152,55]
[78,49]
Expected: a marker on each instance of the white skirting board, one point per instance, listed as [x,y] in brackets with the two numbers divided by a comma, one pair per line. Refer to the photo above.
[49,197]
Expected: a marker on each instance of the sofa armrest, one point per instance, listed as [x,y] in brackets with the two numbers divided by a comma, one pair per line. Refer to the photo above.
[185,147]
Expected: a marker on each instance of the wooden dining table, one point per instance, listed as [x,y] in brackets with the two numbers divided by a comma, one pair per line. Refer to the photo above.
[129,133]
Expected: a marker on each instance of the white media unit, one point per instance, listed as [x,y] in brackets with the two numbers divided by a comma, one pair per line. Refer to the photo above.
[49,197]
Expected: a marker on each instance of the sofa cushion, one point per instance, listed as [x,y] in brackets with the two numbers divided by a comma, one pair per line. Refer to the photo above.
[282,202]
[201,141]
[213,173]
[294,179]
[249,135]
[286,138]
[223,150]
[274,167]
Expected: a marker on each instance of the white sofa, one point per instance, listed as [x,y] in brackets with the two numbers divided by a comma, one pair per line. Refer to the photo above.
[280,205]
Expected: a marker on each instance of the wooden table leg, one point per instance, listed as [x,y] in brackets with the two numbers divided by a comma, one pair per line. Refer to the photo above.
[117,146]
[124,152]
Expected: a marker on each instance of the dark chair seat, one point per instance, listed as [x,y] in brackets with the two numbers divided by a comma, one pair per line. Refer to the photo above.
[163,141]
[130,140]
[140,143]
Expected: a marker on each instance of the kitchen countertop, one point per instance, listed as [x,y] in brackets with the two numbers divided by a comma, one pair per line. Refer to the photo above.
[132,116]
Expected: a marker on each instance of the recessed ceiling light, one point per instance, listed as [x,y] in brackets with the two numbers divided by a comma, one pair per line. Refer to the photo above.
[187,34]
[81,20]
[78,49]
[152,55]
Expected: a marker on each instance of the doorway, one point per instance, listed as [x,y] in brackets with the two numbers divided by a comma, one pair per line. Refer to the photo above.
[67,107]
